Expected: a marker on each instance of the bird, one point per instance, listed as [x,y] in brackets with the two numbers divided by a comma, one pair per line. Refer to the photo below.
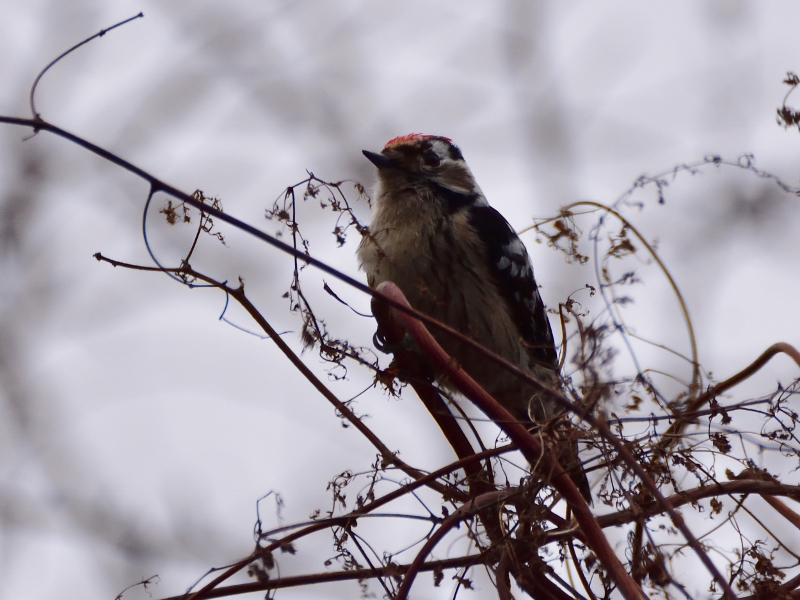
[456,259]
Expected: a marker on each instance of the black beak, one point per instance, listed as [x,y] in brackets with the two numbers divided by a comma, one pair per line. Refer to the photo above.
[379,160]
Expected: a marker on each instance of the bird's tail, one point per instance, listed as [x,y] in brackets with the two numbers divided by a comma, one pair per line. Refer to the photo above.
[568,458]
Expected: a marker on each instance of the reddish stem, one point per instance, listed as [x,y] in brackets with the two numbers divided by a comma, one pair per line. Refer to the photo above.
[528,444]
[781,507]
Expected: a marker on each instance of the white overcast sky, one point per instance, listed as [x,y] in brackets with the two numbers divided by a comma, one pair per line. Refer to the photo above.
[137,431]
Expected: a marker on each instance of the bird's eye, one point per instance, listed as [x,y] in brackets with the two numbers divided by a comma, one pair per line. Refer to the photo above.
[431,159]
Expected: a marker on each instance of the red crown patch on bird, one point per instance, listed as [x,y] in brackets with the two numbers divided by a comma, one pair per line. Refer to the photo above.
[412,137]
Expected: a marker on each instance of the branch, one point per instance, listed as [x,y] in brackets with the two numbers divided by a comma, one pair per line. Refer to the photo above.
[674,430]
[781,508]
[360,574]
[766,489]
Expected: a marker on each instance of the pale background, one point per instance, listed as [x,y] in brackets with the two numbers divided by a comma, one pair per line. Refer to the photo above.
[137,431]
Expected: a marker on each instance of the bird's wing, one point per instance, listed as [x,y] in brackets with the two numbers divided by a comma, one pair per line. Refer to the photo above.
[511,266]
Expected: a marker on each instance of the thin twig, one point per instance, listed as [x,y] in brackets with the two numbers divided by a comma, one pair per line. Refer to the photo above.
[329,577]
[464,512]
[100,33]
[681,421]
[673,284]
[727,488]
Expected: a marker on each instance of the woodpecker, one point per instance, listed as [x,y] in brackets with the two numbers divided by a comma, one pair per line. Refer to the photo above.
[459,261]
